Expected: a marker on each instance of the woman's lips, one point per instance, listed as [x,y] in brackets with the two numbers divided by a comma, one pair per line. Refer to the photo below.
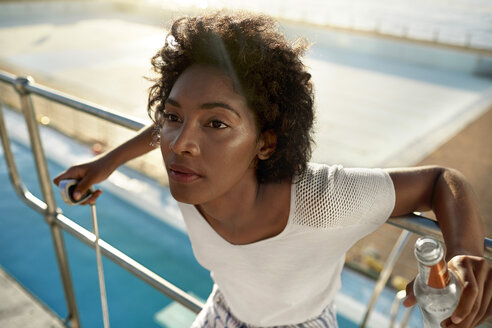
[182,174]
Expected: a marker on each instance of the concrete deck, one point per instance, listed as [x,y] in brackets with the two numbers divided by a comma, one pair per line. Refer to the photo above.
[18,308]
[379,102]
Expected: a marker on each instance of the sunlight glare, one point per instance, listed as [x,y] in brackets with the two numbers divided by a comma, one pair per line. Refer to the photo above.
[202,4]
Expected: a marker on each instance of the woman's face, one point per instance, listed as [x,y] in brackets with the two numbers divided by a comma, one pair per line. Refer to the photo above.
[208,140]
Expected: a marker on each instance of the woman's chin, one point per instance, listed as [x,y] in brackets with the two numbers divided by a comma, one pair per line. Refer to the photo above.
[184,196]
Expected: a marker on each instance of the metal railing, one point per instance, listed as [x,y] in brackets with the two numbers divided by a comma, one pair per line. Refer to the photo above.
[47,207]
[421,226]
[57,221]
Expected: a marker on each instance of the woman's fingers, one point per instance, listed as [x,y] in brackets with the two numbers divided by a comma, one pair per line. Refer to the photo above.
[74,172]
[86,175]
[93,198]
[410,299]
[485,309]
[473,272]
[86,180]
[67,174]
[82,186]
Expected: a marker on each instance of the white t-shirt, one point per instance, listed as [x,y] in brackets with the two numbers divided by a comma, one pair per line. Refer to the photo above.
[291,277]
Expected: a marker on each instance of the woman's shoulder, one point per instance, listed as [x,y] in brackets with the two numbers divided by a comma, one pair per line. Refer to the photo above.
[338,195]
[337,173]
[317,173]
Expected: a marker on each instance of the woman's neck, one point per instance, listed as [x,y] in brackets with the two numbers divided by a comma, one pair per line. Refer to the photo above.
[249,212]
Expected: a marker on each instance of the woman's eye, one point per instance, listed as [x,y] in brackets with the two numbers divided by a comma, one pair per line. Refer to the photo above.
[170,117]
[217,124]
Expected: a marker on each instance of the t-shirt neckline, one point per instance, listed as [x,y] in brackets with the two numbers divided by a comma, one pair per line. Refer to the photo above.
[206,225]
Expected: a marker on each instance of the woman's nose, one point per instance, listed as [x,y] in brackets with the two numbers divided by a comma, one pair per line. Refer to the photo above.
[185,141]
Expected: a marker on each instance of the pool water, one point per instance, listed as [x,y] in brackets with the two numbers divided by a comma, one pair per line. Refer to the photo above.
[26,253]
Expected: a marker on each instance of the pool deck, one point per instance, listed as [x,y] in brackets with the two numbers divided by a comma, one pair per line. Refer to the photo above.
[18,308]
[379,102]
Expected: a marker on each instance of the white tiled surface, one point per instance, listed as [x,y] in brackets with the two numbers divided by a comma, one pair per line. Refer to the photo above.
[369,118]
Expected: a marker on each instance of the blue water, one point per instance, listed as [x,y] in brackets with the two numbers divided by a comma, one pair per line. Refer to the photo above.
[26,252]
[360,287]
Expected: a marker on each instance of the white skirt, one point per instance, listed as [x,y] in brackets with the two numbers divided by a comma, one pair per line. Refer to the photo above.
[216,314]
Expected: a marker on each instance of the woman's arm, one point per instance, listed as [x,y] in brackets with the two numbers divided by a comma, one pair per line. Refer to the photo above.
[101,167]
[447,193]
[450,197]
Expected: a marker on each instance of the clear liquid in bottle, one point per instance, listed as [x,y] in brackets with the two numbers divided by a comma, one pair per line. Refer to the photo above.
[436,289]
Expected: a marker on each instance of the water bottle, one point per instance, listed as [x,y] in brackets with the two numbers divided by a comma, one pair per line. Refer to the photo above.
[436,289]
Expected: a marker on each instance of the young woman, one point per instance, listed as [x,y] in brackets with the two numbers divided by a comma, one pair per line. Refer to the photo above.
[233,112]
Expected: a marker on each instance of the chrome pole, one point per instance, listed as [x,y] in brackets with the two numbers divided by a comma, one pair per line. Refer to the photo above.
[135,268]
[88,238]
[133,123]
[406,317]
[395,306]
[100,272]
[47,191]
[385,273]
[9,157]
[24,194]
[426,227]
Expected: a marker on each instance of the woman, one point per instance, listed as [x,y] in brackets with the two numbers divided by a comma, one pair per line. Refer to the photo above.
[233,111]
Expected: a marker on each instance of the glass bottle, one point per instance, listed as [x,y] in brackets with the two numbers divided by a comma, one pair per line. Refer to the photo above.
[436,289]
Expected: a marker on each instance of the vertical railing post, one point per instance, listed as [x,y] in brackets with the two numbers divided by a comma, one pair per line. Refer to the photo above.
[385,273]
[47,191]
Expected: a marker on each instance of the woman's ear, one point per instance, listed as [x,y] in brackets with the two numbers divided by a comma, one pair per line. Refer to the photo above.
[268,144]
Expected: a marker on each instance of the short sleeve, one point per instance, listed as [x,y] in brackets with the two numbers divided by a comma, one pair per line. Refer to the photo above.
[333,196]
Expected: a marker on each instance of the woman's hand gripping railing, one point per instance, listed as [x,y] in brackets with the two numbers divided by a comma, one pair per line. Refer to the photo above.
[66,189]
[419,225]
[48,206]
[58,219]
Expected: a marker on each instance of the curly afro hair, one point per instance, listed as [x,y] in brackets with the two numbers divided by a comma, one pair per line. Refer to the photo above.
[265,68]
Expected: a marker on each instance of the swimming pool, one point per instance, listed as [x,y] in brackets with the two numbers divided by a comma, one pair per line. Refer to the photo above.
[26,251]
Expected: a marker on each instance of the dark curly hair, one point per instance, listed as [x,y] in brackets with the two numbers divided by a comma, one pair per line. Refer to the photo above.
[265,68]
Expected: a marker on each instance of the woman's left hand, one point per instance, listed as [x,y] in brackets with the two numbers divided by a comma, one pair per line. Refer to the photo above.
[475,303]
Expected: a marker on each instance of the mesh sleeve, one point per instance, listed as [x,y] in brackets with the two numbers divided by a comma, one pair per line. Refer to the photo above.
[332,196]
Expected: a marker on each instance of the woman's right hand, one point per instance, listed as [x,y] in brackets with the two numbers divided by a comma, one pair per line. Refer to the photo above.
[88,174]
[100,168]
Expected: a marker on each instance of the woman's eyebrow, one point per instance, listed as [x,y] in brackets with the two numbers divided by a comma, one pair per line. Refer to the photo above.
[210,105]
[172,102]
[219,104]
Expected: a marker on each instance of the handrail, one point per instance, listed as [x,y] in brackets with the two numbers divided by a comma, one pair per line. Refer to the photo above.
[424,226]
[26,86]
[399,297]
[50,208]
[409,223]
[56,220]
[21,190]
[104,113]
[88,237]
[386,273]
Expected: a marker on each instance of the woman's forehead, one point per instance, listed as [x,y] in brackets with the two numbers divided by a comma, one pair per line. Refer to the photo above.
[206,83]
